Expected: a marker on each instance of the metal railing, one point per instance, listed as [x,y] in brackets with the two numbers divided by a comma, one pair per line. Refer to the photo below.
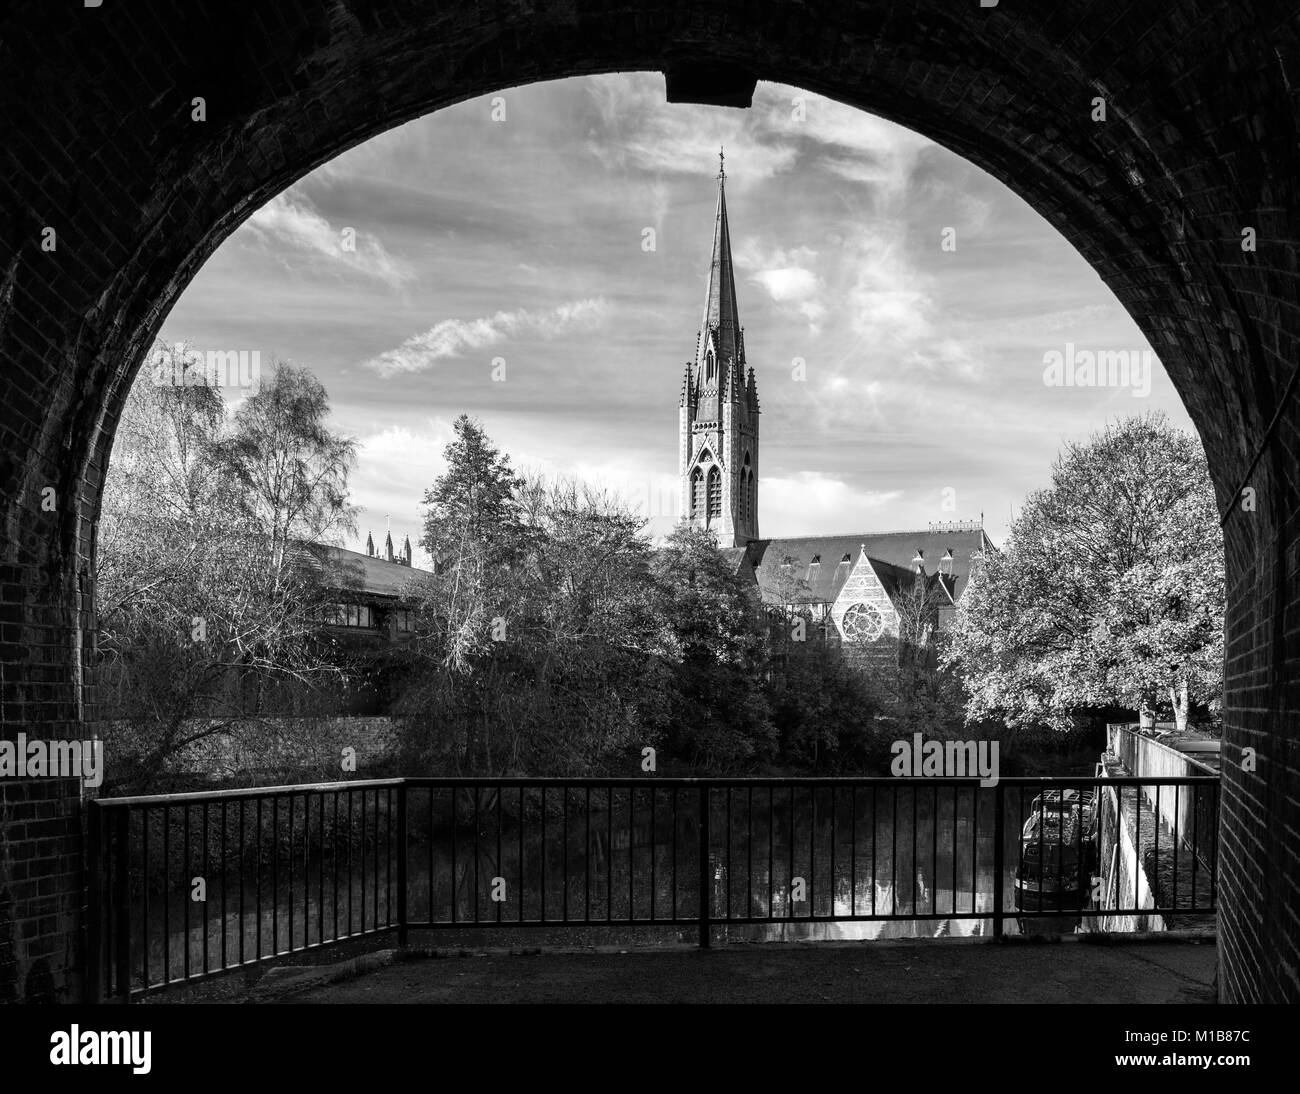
[184,886]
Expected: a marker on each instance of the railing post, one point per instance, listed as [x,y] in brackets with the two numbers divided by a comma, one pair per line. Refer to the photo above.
[706,873]
[401,862]
[999,865]
[122,899]
[94,909]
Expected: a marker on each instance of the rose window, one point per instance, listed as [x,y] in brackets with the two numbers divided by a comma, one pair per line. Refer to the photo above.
[863,623]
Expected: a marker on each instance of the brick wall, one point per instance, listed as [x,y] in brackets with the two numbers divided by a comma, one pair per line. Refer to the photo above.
[1201,141]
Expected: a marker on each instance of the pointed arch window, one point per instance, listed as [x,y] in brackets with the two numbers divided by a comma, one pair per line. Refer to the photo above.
[715,493]
[697,494]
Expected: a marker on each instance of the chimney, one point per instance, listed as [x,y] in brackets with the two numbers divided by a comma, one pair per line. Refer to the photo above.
[388,546]
[370,545]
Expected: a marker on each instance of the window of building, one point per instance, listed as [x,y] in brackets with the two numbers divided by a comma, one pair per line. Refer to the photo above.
[715,494]
[697,493]
[862,623]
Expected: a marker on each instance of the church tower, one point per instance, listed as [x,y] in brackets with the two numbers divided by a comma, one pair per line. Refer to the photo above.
[718,414]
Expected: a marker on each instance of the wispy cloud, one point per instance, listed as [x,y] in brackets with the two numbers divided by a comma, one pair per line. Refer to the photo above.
[293,224]
[452,337]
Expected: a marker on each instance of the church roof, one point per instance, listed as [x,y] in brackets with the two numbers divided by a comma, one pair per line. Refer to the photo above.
[364,575]
[720,311]
[815,567]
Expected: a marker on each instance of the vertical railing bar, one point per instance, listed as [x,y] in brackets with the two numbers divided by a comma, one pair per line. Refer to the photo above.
[403,838]
[586,858]
[430,877]
[275,875]
[185,904]
[875,862]
[705,879]
[811,888]
[362,840]
[543,866]
[893,856]
[1155,855]
[654,847]
[564,812]
[225,877]
[292,822]
[167,894]
[243,930]
[955,791]
[915,861]
[94,989]
[771,840]
[455,880]
[1042,863]
[1214,862]
[1177,802]
[998,833]
[122,904]
[207,880]
[334,863]
[609,855]
[853,852]
[320,870]
[144,892]
[374,919]
[1137,846]
[790,876]
[1196,845]
[257,873]
[674,871]
[834,809]
[351,797]
[631,852]
[749,855]
[727,865]
[934,854]
[501,865]
[521,852]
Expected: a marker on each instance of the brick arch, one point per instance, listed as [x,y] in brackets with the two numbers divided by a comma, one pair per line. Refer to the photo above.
[1200,142]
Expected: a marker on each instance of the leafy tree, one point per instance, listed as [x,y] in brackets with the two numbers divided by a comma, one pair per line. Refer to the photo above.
[719,715]
[1110,592]
[287,469]
[200,605]
[474,528]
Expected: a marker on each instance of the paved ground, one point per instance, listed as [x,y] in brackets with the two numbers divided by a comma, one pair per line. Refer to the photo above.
[928,971]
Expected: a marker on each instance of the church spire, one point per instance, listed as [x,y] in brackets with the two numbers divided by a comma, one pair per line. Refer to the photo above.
[720,328]
[718,411]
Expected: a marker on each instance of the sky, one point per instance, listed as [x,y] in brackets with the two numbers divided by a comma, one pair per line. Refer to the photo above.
[537,259]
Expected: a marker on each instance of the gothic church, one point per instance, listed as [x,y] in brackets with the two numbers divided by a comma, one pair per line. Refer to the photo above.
[861,583]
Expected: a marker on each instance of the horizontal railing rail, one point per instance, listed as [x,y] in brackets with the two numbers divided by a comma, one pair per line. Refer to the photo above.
[185,886]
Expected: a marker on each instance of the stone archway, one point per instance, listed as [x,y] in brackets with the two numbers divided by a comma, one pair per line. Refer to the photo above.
[112,195]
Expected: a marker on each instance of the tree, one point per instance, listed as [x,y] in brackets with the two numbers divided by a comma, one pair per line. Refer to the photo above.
[475,531]
[200,605]
[718,715]
[1110,592]
[288,470]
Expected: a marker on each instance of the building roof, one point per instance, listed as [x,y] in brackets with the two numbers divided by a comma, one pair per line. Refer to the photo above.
[366,575]
[815,567]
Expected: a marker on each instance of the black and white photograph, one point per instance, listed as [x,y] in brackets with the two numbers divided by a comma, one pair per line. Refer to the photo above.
[652,503]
